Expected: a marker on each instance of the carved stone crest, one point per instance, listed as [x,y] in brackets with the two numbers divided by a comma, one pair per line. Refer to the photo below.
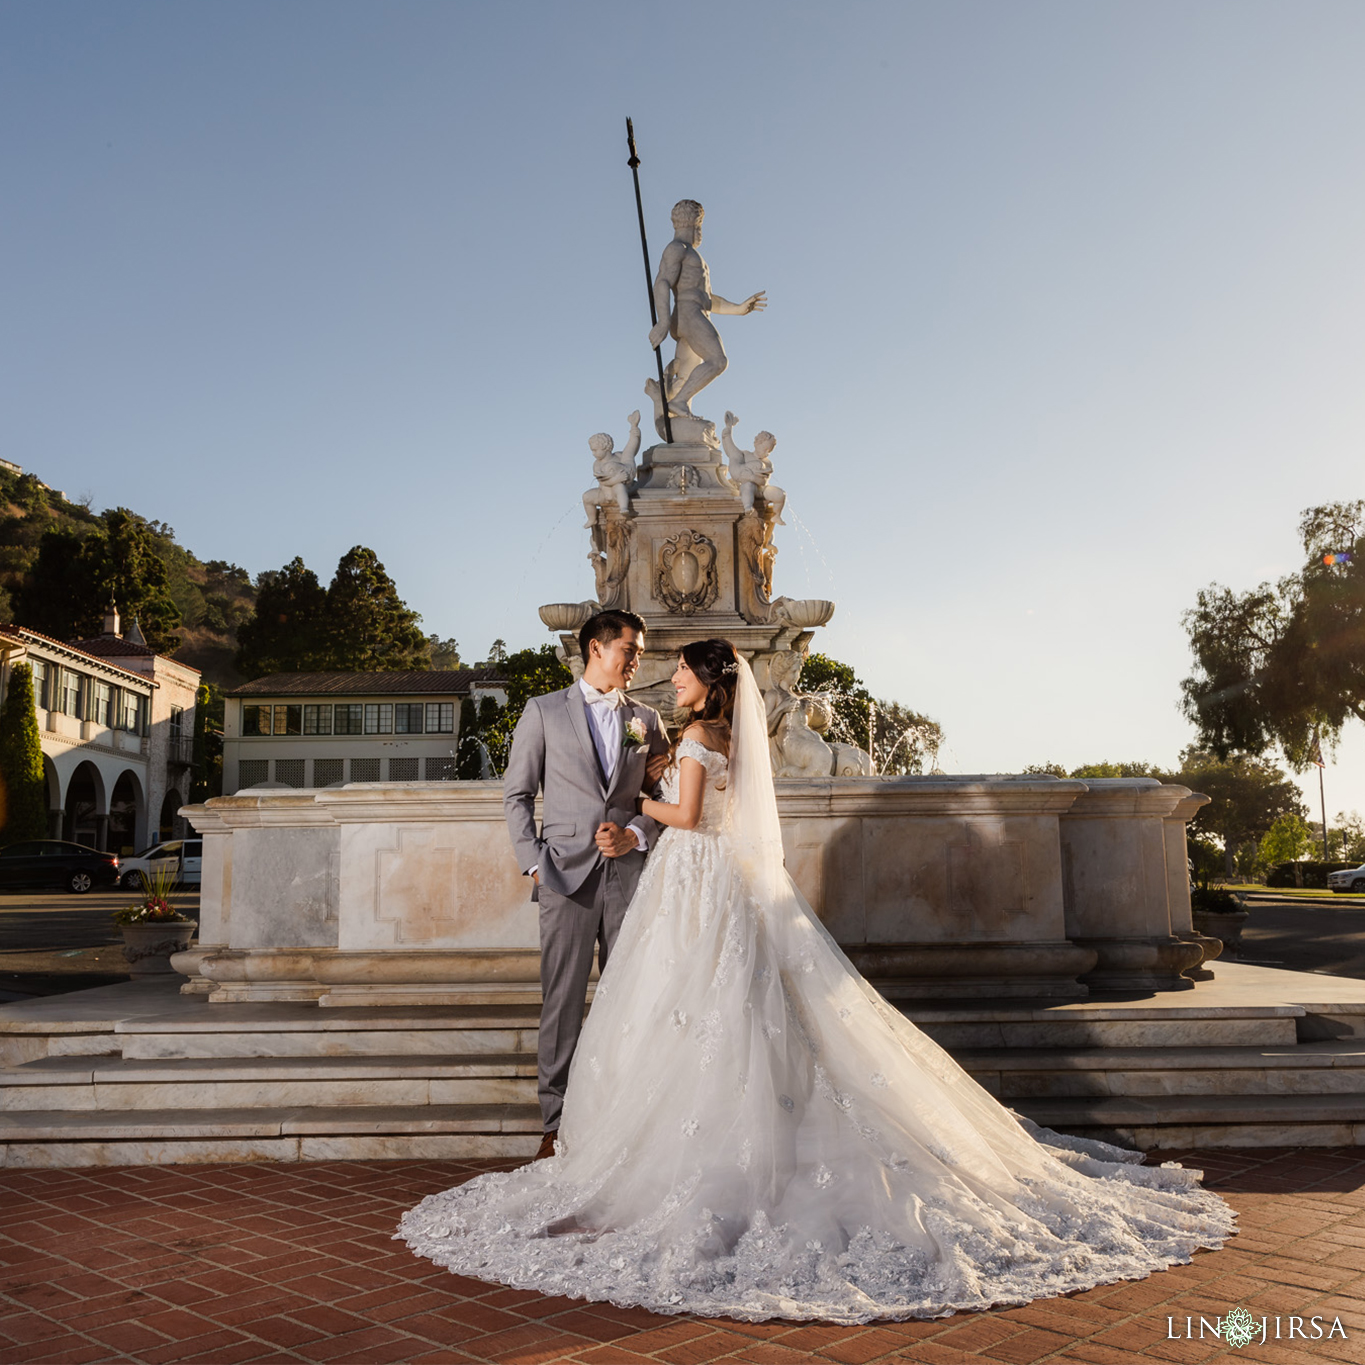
[686,579]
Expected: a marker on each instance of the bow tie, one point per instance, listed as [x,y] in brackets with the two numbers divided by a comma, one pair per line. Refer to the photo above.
[611,699]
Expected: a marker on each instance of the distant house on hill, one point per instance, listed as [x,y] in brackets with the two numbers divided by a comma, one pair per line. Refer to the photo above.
[116,723]
[323,729]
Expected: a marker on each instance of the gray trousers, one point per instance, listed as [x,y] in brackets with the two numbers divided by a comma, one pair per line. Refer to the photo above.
[570,927]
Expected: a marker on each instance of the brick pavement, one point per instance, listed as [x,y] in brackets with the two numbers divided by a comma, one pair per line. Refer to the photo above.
[229,1264]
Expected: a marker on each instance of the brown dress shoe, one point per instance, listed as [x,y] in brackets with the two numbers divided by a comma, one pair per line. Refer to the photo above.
[547,1146]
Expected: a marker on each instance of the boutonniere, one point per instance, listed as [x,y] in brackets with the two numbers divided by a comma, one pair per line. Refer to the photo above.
[633,733]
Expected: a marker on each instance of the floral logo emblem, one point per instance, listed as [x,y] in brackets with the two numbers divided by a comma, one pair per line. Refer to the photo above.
[1239,1328]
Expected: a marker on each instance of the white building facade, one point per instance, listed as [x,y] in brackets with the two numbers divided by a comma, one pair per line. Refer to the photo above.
[116,725]
[326,729]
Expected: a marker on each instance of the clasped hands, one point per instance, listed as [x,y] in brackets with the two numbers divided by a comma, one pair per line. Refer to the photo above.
[611,839]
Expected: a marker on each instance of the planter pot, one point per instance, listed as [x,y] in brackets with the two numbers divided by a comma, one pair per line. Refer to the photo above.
[148,947]
[1222,924]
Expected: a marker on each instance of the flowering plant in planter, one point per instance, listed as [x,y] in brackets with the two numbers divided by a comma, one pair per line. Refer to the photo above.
[154,907]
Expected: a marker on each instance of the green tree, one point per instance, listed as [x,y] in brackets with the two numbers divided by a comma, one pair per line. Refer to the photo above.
[900,740]
[206,779]
[469,753]
[528,673]
[1286,841]
[445,654]
[23,800]
[1115,770]
[129,567]
[74,576]
[1284,664]
[1346,838]
[368,625]
[287,634]
[56,596]
[1247,796]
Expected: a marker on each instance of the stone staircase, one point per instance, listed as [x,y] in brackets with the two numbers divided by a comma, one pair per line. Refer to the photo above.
[138,1074]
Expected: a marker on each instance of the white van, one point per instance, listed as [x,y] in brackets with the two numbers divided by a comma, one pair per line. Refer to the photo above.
[183,857]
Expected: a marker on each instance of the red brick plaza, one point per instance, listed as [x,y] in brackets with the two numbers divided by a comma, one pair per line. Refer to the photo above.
[295,1263]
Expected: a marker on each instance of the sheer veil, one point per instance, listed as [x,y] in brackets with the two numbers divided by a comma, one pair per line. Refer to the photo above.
[751,823]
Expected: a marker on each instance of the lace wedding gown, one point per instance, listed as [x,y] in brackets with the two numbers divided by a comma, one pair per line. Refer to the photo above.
[750,1132]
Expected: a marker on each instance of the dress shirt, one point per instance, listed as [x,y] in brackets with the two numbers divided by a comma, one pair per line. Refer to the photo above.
[606,724]
[605,721]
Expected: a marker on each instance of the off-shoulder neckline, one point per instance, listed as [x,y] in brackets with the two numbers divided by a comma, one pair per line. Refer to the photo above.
[700,745]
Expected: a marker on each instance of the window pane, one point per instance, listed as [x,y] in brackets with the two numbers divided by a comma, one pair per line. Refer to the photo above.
[349,719]
[102,698]
[407,718]
[289,720]
[379,719]
[440,717]
[317,720]
[256,721]
[40,683]
[177,720]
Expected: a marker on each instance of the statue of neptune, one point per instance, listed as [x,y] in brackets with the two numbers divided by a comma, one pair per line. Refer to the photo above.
[700,356]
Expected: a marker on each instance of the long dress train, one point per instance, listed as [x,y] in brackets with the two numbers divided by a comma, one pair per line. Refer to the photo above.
[750,1131]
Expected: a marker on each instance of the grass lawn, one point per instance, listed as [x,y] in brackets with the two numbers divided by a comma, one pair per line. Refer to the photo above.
[1255,888]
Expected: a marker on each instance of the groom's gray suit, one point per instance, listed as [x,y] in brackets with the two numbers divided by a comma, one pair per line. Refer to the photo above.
[582,894]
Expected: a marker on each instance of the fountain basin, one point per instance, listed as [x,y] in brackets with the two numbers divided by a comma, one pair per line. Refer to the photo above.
[939,888]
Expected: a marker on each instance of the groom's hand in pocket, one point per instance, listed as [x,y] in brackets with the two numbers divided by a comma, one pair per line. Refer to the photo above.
[613,841]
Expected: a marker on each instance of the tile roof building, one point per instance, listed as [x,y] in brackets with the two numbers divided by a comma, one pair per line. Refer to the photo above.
[116,724]
[325,729]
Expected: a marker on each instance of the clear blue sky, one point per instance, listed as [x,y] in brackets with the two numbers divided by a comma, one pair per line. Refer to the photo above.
[1067,308]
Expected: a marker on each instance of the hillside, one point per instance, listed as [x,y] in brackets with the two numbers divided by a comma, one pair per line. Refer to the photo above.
[213,598]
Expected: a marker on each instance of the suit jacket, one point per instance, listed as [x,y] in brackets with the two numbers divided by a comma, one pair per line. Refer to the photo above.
[553,749]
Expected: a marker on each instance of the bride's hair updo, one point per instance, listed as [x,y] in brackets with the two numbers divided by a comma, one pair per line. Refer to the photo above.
[717,665]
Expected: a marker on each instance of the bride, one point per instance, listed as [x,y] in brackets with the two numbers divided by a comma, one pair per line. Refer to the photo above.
[751,1132]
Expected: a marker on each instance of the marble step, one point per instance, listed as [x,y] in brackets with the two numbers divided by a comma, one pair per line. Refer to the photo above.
[1110,1026]
[1322,1068]
[83,1083]
[1178,1121]
[431,1042]
[57,1138]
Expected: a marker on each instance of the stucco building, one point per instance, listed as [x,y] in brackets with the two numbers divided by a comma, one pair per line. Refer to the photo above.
[116,724]
[324,729]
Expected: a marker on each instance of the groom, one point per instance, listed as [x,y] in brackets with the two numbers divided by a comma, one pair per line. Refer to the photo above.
[592,751]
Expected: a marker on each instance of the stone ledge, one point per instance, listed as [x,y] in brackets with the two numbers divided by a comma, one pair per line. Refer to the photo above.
[65,1126]
[117,1070]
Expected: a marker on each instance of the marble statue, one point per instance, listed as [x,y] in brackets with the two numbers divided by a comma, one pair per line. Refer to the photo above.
[612,543]
[699,356]
[754,569]
[750,469]
[614,472]
[797,722]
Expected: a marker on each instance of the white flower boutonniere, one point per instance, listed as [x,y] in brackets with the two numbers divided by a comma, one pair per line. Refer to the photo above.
[633,733]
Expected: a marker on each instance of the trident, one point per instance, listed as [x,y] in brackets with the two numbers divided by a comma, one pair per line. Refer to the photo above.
[634,164]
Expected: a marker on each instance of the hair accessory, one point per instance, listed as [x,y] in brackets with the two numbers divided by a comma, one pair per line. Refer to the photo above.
[731,667]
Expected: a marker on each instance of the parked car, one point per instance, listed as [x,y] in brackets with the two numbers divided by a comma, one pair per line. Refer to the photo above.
[182,857]
[1352,879]
[55,862]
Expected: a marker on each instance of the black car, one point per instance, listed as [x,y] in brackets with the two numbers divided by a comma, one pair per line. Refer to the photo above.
[54,862]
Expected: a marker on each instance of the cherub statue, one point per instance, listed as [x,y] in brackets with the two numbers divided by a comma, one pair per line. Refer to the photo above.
[614,472]
[750,469]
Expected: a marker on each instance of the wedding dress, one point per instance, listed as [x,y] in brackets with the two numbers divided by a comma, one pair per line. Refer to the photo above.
[751,1132]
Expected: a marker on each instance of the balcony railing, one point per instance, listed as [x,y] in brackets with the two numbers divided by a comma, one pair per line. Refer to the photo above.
[180,750]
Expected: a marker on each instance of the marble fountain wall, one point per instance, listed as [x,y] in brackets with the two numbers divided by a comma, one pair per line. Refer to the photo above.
[937,887]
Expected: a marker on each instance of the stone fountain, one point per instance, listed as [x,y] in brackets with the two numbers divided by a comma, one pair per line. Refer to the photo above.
[965,888]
